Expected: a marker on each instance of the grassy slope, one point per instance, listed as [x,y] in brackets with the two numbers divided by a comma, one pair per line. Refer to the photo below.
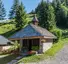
[6,29]
[51,52]
[9,28]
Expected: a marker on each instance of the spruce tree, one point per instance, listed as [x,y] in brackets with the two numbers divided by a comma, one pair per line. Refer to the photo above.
[60,12]
[32,12]
[56,4]
[62,17]
[46,15]
[20,17]
[13,10]
[64,2]
[50,17]
[41,13]
[2,11]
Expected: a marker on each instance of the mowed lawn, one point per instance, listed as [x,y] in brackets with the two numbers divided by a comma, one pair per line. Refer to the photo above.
[4,59]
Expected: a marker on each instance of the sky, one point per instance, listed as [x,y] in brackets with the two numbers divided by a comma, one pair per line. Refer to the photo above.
[28,4]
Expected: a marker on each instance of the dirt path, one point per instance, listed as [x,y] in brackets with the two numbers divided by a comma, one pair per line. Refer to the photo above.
[60,58]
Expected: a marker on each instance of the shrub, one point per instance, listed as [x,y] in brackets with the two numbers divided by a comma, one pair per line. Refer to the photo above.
[58,34]
[35,48]
[65,33]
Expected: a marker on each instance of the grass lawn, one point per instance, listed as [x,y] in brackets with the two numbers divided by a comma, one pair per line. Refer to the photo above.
[7,58]
[5,28]
[51,52]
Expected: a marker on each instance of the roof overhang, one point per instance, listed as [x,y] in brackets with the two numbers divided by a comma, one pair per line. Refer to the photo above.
[50,37]
[33,37]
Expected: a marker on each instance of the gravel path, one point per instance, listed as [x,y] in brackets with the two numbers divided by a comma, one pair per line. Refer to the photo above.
[60,58]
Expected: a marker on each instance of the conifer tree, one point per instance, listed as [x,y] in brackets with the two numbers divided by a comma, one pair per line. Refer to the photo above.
[46,15]
[20,17]
[50,17]
[57,5]
[41,12]
[64,2]
[2,11]
[13,10]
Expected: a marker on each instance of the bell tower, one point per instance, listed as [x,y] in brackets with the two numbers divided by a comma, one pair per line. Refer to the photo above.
[35,20]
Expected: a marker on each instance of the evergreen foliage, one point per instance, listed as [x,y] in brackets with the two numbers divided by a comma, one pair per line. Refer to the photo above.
[20,17]
[65,2]
[13,10]
[61,12]
[62,16]
[2,11]
[50,14]
[41,12]
[46,15]
[32,12]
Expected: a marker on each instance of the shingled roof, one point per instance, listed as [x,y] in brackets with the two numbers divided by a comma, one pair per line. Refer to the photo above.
[33,30]
[4,41]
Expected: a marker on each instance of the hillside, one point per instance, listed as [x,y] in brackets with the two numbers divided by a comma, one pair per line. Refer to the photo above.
[7,28]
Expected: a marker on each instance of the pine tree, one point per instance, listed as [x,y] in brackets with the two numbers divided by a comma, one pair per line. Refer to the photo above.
[46,15]
[67,3]
[62,17]
[67,20]
[56,4]
[14,7]
[64,2]
[2,11]
[32,12]
[41,12]
[50,17]
[20,17]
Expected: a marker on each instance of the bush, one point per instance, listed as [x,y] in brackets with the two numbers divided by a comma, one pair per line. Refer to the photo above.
[58,34]
[65,33]
[35,48]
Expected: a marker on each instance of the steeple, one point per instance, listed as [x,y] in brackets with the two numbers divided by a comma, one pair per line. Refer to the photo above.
[35,20]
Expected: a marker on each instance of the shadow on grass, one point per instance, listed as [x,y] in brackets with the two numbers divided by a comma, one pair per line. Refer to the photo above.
[7,59]
[9,33]
[31,58]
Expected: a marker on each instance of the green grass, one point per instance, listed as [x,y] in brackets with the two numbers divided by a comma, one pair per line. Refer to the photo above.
[7,58]
[56,47]
[6,28]
[33,58]
[51,52]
